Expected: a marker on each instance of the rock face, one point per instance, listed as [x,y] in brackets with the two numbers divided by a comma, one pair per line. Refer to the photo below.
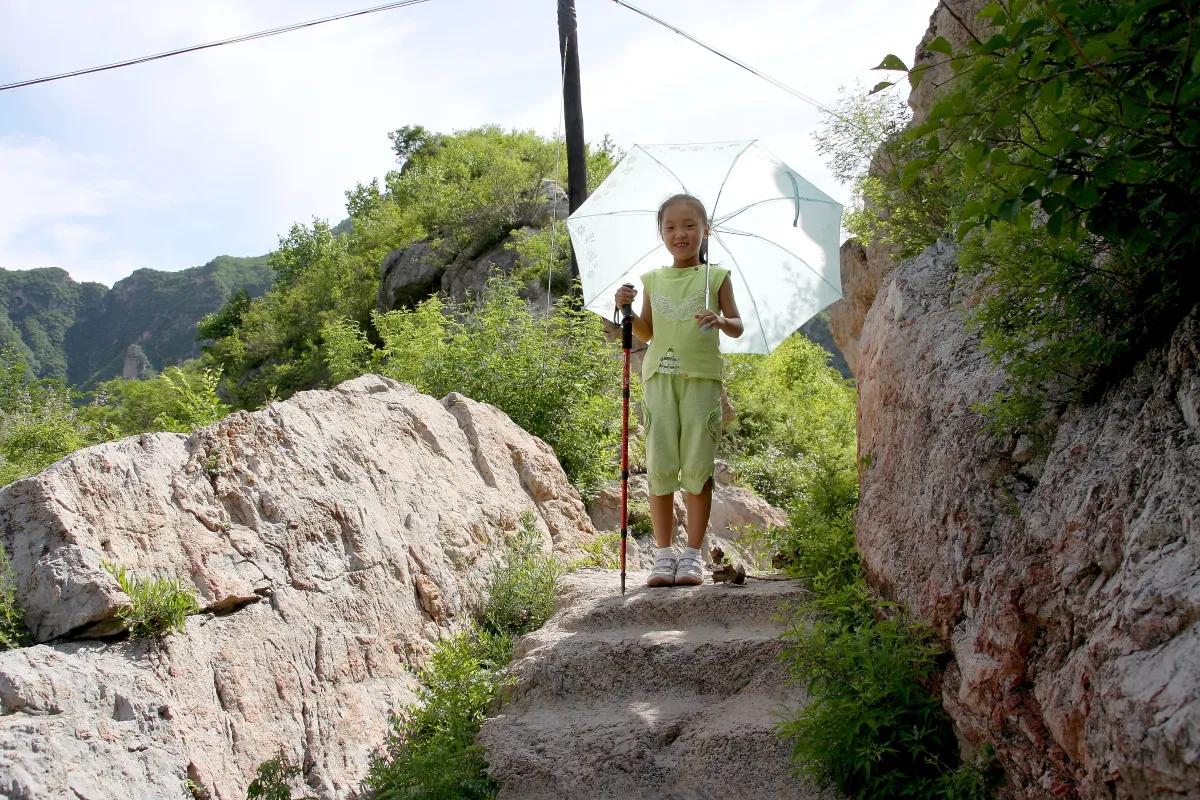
[330,538]
[667,693]
[413,273]
[1067,587]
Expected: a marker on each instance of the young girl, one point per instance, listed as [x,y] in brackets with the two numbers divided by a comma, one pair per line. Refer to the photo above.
[681,378]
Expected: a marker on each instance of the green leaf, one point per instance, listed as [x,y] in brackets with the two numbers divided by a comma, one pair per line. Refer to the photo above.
[892,62]
[940,45]
[879,87]
[917,73]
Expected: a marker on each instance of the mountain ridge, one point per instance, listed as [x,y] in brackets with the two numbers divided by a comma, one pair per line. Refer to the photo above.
[80,331]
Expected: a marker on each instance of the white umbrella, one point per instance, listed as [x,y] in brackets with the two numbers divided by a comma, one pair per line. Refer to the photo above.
[776,232]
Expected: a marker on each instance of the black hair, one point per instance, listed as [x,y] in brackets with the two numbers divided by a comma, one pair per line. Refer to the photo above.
[699,204]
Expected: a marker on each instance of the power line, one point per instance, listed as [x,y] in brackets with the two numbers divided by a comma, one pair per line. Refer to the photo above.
[778,83]
[246,38]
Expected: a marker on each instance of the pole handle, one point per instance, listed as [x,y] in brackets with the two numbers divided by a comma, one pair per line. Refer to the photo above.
[627,322]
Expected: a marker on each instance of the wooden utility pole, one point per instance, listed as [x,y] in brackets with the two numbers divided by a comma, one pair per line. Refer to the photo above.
[568,48]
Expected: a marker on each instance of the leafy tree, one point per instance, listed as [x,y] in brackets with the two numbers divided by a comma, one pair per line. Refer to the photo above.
[38,424]
[181,399]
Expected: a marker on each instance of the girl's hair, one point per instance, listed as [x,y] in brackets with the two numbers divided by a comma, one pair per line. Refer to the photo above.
[695,201]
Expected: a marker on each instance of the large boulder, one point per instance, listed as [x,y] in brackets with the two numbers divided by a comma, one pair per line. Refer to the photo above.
[331,539]
[1066,585]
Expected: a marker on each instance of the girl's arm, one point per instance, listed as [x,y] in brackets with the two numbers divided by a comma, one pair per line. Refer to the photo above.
[729,322]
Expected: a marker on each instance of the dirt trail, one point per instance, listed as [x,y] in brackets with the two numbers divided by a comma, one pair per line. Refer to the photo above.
[664,693]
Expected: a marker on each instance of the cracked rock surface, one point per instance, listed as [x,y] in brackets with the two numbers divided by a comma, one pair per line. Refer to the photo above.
[664,693]
[330,538]
[1065,585]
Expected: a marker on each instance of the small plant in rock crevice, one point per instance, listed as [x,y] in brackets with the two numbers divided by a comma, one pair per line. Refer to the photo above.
[273,780]
[157,606]
[13,633]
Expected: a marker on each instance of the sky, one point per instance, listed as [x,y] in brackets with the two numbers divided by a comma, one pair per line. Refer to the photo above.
[169,164]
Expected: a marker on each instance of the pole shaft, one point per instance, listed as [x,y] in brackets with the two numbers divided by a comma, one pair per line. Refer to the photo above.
[568,48]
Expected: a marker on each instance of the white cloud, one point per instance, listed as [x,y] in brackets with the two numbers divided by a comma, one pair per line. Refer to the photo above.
[222,150]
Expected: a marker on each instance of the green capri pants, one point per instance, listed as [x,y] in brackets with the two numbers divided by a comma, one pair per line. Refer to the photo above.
[683,424]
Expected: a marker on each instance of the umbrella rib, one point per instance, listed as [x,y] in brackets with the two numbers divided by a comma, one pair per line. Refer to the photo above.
[614,213]
[743,209]
[784,249]
[664,166]
[746,283]
[729,172]
[589,301]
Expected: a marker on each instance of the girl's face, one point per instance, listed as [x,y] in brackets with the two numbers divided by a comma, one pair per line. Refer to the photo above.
[683,231]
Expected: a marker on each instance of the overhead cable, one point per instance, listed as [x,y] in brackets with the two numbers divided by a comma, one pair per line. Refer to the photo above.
[778,83]
[245,38]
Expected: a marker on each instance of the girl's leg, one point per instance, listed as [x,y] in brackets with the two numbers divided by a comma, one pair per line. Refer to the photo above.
[699,507]
[662,514]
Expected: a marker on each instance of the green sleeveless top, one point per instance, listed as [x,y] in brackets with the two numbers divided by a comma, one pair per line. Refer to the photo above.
[680,347]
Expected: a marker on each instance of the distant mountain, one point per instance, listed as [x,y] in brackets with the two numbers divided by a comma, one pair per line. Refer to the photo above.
[81,332]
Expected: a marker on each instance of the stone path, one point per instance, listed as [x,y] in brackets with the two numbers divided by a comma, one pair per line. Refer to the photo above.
[664,693]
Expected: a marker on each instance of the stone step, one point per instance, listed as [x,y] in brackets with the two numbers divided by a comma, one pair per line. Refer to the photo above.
[711,660]
[660,693]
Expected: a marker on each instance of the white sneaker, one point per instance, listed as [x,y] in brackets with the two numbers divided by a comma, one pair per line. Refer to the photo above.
[689,571]
[664,571]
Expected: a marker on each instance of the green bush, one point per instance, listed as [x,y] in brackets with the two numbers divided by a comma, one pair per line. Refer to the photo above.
[521,593]
[157,606]
[557,377]
[13,633]
[603,550]
[273,780]
[873,725]
[38,424]
[181,399]
[431,751]
[1066,145]
[794,438]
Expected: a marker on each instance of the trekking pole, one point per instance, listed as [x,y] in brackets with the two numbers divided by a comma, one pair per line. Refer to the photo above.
[626,345]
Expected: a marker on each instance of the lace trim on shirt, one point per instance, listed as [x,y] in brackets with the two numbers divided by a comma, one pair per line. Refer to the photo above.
[682,311]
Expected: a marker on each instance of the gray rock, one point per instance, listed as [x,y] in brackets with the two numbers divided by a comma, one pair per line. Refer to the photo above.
[331,539]
[409,275]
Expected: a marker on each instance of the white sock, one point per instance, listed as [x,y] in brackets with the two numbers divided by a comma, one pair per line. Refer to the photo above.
[691,551]
[664,552]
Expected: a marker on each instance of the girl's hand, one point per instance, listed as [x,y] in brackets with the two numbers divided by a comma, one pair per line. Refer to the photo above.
[708,319]
[625,295]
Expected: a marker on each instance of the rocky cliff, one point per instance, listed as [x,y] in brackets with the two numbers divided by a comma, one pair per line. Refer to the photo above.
[1066,586]
[330,538]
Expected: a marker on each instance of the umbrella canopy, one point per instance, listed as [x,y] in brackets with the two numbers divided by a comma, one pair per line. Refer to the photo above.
[776,232]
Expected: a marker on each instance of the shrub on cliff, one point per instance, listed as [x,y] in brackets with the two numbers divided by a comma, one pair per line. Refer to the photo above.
[1062,155]
[13,633]
[157,606]
[556,376]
